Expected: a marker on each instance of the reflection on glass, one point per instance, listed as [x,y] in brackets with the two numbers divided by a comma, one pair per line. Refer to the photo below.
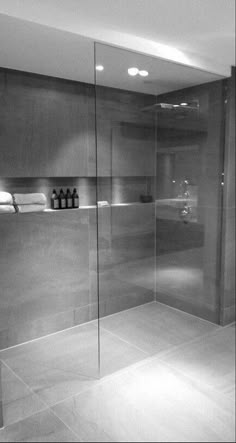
[188,175]
[159,163]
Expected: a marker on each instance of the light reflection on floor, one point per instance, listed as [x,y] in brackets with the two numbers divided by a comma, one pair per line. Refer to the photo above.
[177,384]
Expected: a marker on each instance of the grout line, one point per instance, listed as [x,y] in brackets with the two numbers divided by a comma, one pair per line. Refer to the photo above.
[174,348]
[47,407]
[103,380]
[158,356]
[28,388]
[192,341]
[48,367]
[91,322]
[131,368]
[52,334]
[125,341]
[188,313]
[195,381]
[127,310]
[230,325]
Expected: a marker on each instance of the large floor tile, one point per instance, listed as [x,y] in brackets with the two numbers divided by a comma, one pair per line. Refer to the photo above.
[59,365]
[155,327]
[209,360]
[64,364]
[16,399]
[41,427]
[151,403]
[116,354]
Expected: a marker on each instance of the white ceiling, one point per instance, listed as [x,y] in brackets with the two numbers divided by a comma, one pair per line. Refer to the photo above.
[164,76]
[31,47]
[203,27]
[27,46]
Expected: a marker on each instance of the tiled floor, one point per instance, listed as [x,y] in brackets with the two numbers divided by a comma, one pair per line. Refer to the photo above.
[166,376]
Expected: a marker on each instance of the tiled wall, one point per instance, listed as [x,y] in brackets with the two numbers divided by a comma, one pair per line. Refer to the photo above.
[46,269]
[48,264]
[48,261]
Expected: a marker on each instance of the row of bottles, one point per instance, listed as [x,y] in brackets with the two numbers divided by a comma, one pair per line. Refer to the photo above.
[64,201]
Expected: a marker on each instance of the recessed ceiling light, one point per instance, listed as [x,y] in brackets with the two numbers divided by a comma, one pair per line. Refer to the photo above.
[99,68]
[175,106]
[143,73]
[184,104]
[133,71]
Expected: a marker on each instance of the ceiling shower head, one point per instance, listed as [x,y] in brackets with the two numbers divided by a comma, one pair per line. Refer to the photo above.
[176,107]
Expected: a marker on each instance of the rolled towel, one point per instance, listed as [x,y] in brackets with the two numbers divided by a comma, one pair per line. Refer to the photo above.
[6,198]
[7,209]
[30,208]
[30,199]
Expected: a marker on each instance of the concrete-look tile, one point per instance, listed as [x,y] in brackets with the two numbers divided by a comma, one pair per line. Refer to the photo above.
[150,403]
[16,399]
[57,366]
[181,274]
[64,364]
[116,354]
[44,426]
[210,360]
[156,328]
[140,273]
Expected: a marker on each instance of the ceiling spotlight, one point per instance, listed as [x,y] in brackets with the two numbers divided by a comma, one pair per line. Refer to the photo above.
[184,104]
[143,73]
[133,71]
[99,68]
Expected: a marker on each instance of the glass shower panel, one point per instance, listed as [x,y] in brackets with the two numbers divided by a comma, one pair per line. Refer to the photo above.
[188,198]
[126,207]
[48,252]
[159,128]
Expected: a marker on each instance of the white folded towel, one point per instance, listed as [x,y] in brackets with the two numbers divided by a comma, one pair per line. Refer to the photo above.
[30,199]
[30,208]
[6,198]
[7,209]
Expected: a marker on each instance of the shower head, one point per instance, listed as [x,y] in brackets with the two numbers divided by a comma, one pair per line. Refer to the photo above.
[176,107]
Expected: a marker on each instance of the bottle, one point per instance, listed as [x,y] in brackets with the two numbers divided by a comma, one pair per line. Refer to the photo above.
[54,200]
[62,200]
[75,199]
[69,201]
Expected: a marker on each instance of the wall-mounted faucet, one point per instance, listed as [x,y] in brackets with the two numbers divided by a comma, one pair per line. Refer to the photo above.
[184,193]
[185,213]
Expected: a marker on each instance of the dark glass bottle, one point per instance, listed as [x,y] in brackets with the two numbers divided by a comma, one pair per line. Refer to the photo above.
[69,201]
[75,199]
[62,200]
[54,200]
